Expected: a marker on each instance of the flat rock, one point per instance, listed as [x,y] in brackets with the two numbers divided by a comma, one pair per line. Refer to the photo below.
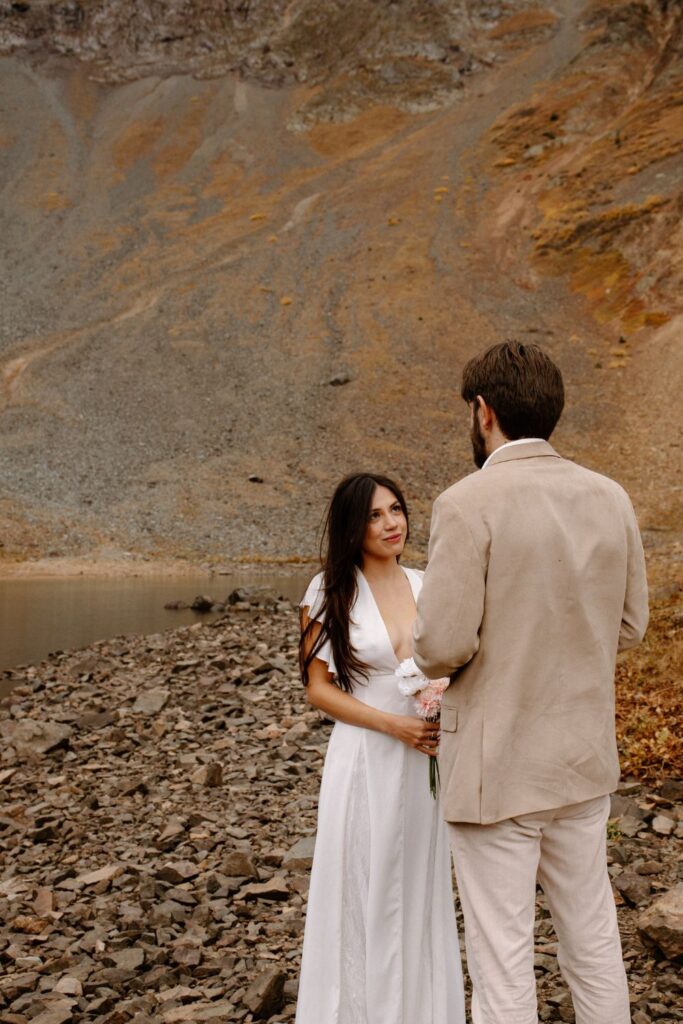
[265,995]
[105,874]
[276,889]
[129,959]
[662,922]
[56,1014]
[69,986]
[178,871]
[97,719]
[633,887]
[151,702]
[630,826]
[622,806]
[663,825]
[300,856]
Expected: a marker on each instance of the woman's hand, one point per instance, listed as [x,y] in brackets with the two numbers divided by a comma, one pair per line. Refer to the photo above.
[415,733]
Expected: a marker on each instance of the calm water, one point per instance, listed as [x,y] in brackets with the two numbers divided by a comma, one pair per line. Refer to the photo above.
[41,616]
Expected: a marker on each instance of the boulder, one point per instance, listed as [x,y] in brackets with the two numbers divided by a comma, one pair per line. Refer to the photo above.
[662,922]
[31,738]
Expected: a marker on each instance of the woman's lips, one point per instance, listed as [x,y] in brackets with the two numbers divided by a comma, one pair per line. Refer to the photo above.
[394,539]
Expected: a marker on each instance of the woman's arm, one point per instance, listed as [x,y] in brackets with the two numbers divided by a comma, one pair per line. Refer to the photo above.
[323,694]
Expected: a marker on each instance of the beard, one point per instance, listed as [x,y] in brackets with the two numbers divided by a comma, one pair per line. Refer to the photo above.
[479,453]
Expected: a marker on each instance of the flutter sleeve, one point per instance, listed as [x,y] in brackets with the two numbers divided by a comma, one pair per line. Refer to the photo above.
[312,601]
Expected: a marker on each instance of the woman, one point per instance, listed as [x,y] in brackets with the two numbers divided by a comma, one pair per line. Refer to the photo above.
[381,944]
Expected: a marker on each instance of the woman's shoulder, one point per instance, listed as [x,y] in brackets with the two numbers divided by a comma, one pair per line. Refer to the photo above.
[415,573]
[313,592]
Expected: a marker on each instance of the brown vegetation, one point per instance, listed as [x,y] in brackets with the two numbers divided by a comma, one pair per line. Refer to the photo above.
[650,697]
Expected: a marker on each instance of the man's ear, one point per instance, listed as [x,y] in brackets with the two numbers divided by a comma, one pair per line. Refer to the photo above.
[486,415]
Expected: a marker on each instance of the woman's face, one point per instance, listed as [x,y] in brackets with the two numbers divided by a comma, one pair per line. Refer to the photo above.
[387,527]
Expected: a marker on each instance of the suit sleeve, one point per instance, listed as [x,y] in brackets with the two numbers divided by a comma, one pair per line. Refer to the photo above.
[636,612]
[450,606]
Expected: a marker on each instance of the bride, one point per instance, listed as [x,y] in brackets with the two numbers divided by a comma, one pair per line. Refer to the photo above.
[380,945]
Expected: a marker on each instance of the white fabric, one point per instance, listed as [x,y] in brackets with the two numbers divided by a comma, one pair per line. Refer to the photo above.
[497,867]
[380,945]
[509,444]
[313,602]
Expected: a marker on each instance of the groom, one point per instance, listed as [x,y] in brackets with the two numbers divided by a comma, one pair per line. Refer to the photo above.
[536,579]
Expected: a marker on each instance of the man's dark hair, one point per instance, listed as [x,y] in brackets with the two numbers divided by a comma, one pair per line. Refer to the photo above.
[522,385]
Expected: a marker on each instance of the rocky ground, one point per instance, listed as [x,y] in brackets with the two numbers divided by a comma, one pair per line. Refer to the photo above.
[157,826]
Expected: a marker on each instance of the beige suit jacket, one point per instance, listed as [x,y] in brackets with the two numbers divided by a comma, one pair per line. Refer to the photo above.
[536,578]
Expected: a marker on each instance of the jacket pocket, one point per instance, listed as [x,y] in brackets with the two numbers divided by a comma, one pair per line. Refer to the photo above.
[449,719]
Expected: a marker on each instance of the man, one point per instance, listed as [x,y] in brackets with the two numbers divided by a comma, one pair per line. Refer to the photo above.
[536,578]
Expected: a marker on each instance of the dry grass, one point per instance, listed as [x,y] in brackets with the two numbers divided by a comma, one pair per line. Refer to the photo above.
[650,698]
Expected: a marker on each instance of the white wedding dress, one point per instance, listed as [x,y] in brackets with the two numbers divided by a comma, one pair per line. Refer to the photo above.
[381,944]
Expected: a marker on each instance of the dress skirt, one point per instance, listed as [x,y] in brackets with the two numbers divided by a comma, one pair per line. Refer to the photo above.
[381,944]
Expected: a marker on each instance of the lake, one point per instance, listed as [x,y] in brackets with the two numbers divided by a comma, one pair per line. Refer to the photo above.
[38,616]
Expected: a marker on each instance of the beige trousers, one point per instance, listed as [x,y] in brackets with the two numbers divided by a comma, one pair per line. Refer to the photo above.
[497,867]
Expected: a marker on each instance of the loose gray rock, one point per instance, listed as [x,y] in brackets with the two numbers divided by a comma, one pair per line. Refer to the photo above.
[621,806]
[663,825]
[662,922]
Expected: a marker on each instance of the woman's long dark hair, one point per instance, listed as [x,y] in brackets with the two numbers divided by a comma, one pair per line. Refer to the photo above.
[344,530]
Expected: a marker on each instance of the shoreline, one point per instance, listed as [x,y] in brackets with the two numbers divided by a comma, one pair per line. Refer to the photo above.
[92,567]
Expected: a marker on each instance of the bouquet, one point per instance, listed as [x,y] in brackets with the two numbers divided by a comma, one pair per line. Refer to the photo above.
[428,694]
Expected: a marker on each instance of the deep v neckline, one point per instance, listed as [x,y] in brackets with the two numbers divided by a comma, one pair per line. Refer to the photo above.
[378,612]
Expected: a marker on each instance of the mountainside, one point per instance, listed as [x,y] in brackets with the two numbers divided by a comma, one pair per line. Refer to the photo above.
[260,239]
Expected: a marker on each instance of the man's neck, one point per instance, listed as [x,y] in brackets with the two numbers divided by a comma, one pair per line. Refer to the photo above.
[506,442]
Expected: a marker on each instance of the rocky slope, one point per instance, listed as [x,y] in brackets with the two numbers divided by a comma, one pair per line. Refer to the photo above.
[259,240]
[157,830]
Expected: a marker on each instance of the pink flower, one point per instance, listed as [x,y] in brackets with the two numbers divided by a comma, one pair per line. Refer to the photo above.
[428,694]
